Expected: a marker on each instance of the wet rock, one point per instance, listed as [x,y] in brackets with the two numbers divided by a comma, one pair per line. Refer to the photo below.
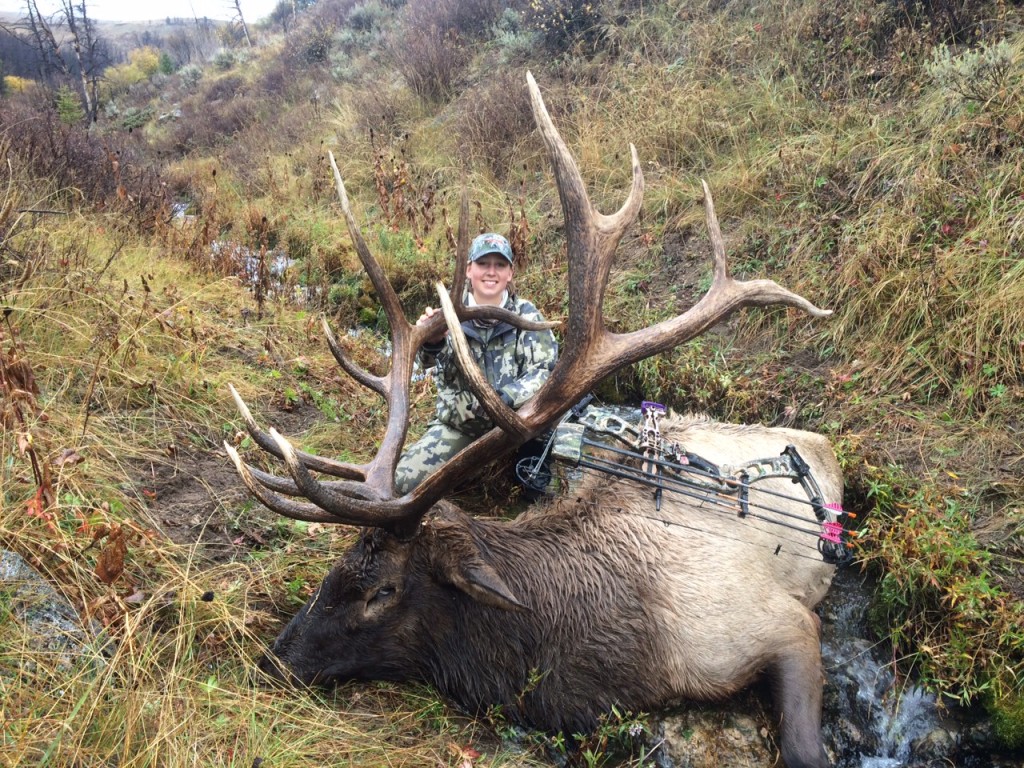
[43,618]
[716,736]
[936,745]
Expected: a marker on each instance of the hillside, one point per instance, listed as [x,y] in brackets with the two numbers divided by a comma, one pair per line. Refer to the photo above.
[865,154]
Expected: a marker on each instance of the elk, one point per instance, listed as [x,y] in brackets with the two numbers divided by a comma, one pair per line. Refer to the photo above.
[596,599]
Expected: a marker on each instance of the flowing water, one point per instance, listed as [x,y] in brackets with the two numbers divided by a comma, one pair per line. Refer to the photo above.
[870,721]
[871,718]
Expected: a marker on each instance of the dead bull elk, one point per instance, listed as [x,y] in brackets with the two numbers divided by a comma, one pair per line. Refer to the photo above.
[585,603]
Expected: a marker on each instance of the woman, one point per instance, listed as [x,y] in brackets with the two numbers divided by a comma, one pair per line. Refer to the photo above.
[514,361]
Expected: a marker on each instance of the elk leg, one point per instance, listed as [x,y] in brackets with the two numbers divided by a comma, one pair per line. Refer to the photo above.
[797,686]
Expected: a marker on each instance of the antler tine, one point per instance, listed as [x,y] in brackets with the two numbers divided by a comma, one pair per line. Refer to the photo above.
[461,249]
[283,506]
[377,383]
[316,463]
[386,293]
[720,273]
[286,485]
[725,296]
[406,340]
[380,511]
[591,237]
[758,292]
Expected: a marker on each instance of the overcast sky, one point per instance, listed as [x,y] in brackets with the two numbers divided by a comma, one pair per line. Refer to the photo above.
[141,10]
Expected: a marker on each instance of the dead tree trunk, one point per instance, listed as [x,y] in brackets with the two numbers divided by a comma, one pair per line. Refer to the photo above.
[241,21]
[50,62]
[83,42]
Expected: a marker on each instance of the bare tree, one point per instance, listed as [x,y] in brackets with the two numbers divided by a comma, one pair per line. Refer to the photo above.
[18,51]
[241,21]
[85,44]
[50,61]
[181,46]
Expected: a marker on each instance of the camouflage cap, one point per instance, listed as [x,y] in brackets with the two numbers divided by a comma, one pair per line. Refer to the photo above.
[490,243]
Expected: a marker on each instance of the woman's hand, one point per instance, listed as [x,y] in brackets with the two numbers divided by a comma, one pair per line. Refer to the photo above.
[428,313]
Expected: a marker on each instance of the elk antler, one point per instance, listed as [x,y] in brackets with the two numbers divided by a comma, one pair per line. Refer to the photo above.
[590,352]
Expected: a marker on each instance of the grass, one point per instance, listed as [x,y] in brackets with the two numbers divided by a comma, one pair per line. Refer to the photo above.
[177,690]
[848,173]
[177,686]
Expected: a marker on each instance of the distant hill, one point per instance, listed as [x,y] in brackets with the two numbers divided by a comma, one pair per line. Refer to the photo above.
[113,29]
[125,35]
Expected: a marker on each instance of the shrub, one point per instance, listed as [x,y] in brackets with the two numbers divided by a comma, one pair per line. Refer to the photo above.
[494,120]
[209,122]
[134,118]
[112,175]
[953,19]
[430,60]
[223,88]
[383,109]
[515,42]
[977,74]
[473,19]
[277,78]
[15,84]
[146,60]
[432,52]
[367,16]
[142,64]
[190,76]
[565,24]
[844,47]
[225,59]
[315,47]
[343,69]
[333,13]
[332,25]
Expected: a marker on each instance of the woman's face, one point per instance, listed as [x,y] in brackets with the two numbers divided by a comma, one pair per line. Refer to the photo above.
[489,276]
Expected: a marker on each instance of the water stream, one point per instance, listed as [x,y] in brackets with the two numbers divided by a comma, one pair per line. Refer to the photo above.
[874,720]
[871,721]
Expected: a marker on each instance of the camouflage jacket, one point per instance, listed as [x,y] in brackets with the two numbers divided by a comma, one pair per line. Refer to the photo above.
[514,361]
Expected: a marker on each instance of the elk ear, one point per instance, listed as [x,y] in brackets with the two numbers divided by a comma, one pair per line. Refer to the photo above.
[461,562]
[481,582]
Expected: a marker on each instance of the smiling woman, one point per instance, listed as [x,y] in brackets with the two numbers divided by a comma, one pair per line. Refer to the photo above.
[515,361]
[128,10]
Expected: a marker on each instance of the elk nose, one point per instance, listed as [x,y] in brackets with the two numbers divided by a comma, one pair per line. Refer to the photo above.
[273,668]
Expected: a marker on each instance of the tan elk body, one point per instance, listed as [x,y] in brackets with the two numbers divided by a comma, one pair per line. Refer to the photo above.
[600,598]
